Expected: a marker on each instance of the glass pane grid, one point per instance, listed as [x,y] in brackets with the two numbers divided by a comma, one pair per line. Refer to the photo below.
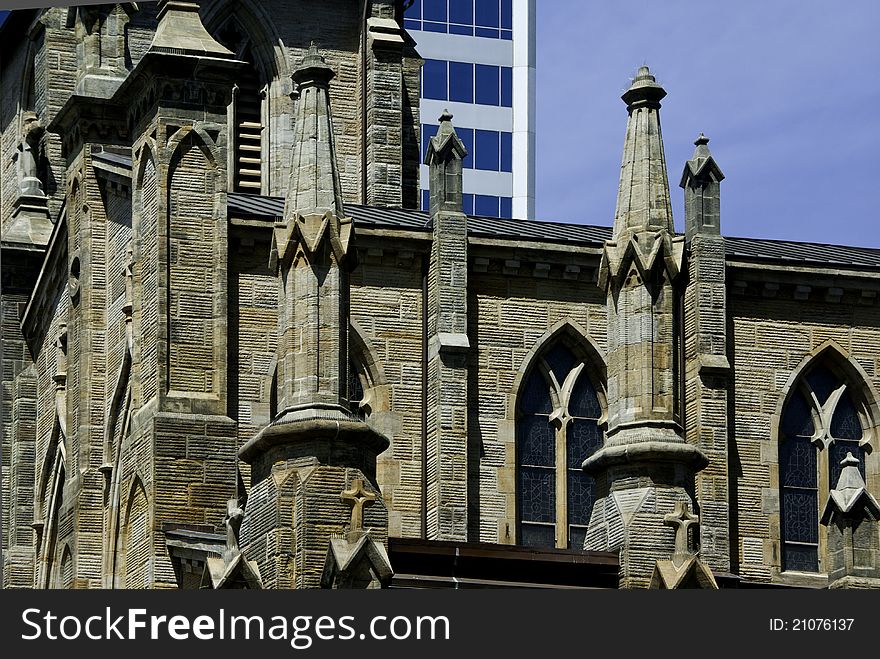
[535,397]
[845,423]
[537,495]
[800,516]
[483,146]
[800,557]
[560,360]
[537,535]
[797,419]
[581,496]
[537,442]
[576,536]
[483,18]
[797,463]
[584,437]
[584,399]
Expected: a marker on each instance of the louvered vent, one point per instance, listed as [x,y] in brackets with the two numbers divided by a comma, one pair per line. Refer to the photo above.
[246,113]
[248,133]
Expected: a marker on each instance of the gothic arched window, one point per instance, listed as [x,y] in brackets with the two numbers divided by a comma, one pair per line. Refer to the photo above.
[820,424]
[558,427]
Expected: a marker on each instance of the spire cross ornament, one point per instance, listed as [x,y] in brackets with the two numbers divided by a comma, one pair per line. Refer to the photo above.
[682,519]
[359,497]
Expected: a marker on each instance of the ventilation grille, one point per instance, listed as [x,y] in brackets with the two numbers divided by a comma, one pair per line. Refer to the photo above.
[248,135]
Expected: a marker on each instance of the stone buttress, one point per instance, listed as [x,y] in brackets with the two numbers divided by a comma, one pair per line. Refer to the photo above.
[706,370]
[448,345]
[174,465]
[645,467]
[315,448]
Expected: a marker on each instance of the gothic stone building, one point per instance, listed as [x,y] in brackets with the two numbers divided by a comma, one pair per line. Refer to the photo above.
[234,354]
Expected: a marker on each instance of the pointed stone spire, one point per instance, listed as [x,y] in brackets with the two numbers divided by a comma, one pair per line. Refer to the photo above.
[315,447]
[448,343]
[645,464]
[314,176]
[852,516]
[643,196]
[849,490]
[701,180]
[315,371]
[445,154]
[180,30]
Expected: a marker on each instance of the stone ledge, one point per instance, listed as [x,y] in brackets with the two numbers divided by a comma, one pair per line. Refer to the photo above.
[649,451]
[341,429]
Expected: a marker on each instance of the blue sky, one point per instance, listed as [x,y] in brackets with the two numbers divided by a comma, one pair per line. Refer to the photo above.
[785,89]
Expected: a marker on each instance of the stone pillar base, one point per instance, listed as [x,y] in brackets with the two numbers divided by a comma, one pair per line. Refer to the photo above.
[851,582]
[300,466]
[31,222]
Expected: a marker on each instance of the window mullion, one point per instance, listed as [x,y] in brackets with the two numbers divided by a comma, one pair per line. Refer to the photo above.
[561,488]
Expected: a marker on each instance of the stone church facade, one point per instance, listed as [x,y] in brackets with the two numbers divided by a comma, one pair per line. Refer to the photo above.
[236,355]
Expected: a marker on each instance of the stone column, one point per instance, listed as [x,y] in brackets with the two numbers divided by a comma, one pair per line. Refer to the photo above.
[384,106]
[448,345]
[706,366]
[315,448]
[645,467]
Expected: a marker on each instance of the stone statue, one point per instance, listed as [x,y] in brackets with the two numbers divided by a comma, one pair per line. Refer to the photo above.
[26,156]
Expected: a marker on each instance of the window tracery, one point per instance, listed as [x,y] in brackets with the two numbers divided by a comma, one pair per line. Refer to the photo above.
[822,421]
[558,427]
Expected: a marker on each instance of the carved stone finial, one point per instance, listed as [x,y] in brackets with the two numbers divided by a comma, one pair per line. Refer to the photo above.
[359,498]
[682,519]
[644,91]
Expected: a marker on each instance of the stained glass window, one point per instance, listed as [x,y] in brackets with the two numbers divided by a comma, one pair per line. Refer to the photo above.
[822,382]
[806,450]
[846,429]
[554,513]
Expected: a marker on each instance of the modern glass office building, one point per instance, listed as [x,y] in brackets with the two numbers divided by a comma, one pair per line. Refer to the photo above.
[480,64]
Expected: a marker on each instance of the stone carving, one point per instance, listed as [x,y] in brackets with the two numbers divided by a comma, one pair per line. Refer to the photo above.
[232,570]
[234,517]
[27,155]
[358,497]
[852,516]
[681,520]
[356,561]
[685,570]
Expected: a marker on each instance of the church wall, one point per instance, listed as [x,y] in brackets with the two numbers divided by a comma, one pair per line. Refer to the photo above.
[117,201]
[386,306]
[770,338]
[140,31]
[334,26]
[253,334]
[18,417]
[55,80]
[513,302]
